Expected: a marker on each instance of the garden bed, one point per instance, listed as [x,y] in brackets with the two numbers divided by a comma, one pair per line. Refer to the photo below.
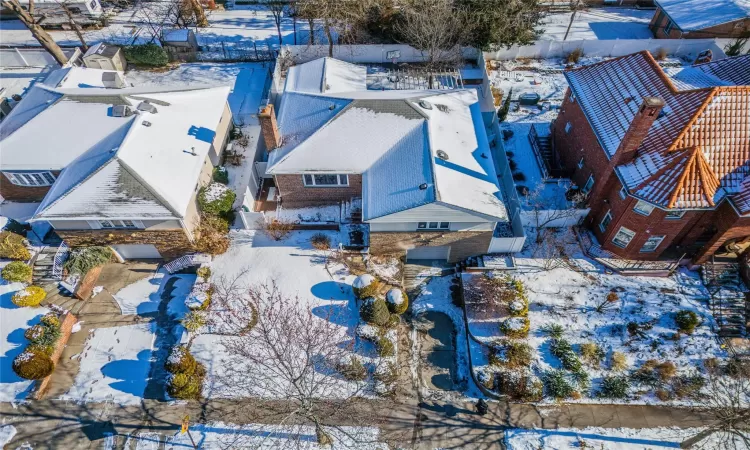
[67,321]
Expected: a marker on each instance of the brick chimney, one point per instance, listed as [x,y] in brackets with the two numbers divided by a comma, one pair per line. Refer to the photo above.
[647,113]
[269,128]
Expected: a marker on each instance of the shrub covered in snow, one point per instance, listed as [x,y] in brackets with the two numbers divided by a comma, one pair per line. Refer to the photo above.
[386,377]
[618,362]
[375,311]
[520,386]
[592,354]
[368,332]
[216,199]
[557,385]
[519,308]
[180,360]
[385,347]
[86,258]
[397,301]
[515,327]
[199,298]
[687,321]
[33,365]
[186,377]
[614,386]
[44,335]
[518,354]
[365,286]
[29,296]
[564,351]
[320,241]
[17,271]
[351,368]
[13,246]
[486,379]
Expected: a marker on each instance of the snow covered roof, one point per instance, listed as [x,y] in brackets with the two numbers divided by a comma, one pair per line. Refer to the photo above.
[698,151]
[146,166]
[692,15]
[411,147]
[77,77]
[326,75]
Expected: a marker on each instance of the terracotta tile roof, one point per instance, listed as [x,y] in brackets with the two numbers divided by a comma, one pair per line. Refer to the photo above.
[698,151]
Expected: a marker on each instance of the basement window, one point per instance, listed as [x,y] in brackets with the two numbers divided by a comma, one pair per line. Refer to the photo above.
[325,180]
[623,237]
[675,214]
[119,224]
[643,208]
[433,225]
[31,178]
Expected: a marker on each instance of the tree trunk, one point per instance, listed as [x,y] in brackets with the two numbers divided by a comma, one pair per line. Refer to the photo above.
[695,440]
[38,32]
[327,29]
[311,24]
[572,18]
[75,26]
[200,14]
[278,30]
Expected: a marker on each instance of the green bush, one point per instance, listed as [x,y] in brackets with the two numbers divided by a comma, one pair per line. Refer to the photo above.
[365,286]
[44,335]
[204,272]
[375,311]
[518,354]
[146,55]
[194,321]
[592,353]
[187,386]
[519,307]
[564,351]
[520,386]
[557,384]
[86,258]
[503,112]
[615,387]
[17,271]
[397,301]
[352,369]
[687,321]
[30,296]
[515,327]
[221,175]
[554,330]
[32,365]
[216,199]
[384,346]
[393,321]
[12,246]
[180,361]
[50,320]
[45,349]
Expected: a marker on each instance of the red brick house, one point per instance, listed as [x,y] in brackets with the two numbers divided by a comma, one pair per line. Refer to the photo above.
[663,154]
[700,19]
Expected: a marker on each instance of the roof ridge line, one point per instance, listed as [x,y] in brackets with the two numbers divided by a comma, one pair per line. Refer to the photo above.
[691,122]
[680,185]
[656,175]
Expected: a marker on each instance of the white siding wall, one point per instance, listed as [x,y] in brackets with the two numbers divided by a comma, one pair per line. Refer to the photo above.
[84,224]
[412,226]
[433,212]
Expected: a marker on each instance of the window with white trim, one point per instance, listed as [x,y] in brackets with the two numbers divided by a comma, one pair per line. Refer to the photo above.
[623,237]
[589,184]
[623,193]
[652,244]
[669,26]
[433,225]
[117,224]
[30,178]
[675,214]
[580,163]
[325,179]
[568,127]
[643,208]
[605,221]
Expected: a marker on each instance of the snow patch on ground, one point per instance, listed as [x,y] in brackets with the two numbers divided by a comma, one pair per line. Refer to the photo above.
[115,365]
[7,432]
[599,24]
[329,213]
[143,296]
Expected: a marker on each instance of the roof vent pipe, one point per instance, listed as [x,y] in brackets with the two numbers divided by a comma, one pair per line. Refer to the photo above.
[425,104]
[423,186]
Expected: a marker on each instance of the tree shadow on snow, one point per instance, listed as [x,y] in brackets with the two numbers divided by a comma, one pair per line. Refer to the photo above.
[332,290]
[130,372]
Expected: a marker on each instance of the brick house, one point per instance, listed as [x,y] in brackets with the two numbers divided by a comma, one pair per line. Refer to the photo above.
[419,160]
[663,154]
[700,19]
[120,168]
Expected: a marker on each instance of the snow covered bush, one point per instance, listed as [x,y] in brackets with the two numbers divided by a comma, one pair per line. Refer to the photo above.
[278,229]
[12,246]
[194,321]
[486,379]
[320,241]
[687,321]
[555,331]
[518,354]
[592,354]
[216,199]
[365,286]
[33,365]
[368,332]
[397,301]
[204,272]
[44,335]
[186,377]
[618,362]
[386,377]
[180,360]
[86,258]
[519,308]
[374,311]
[352,369]
[199,298]
[564,352]
[30,296]
[520,386]
[17,271]
[221,175]
[385,347]
[515,327]
[212,235]
[557,385]
[146,55]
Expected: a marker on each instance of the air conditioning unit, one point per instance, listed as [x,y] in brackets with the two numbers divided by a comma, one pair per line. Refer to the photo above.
[122,111]
[113,80]
[146,106]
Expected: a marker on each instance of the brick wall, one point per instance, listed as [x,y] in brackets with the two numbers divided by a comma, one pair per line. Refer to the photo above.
[729,226]
[16,193]
[170,243]
[463,243]
[726,30]
[295,194]
[66,326]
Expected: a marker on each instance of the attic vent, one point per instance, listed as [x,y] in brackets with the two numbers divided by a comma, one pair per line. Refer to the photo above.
[442,155]
[423,186]
[425,104]
[443,108]
[147,107]
[122,111]
[332,107]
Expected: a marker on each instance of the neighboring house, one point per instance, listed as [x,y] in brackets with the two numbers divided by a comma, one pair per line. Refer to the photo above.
[663,154]
[697,19]
[115,167]
[419,160]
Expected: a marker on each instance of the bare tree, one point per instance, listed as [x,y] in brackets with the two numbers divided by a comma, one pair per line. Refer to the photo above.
[437,28]
[73,24]
[27,18]
[339,18]
[575,6]
[279,9]
[727,400]
[547,209]
[293,356]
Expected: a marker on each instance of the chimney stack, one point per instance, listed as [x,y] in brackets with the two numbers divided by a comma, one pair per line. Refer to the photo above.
[269,128]
[647,113]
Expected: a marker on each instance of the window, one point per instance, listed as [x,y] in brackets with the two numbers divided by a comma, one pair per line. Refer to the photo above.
[623,237]
[623,193]
[669,27]
[589,185]
[568,127]
[643,208]
[580,164]
[31,178]
[605,221]
[433,225]
[675,214]
[325,179]
[93,4]
[651,244]
[112,224]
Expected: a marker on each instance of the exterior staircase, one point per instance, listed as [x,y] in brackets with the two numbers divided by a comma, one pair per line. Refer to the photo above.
[729,303]
[45,277]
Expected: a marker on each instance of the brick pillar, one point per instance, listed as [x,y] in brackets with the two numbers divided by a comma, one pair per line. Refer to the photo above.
[269,128]
[647,113]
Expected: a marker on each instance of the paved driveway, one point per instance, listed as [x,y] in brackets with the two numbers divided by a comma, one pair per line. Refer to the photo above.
[437,351]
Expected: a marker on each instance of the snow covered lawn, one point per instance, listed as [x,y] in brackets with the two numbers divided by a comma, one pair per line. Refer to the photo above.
[599,24]
[143,296]
[114,365]
[606,438]
[13,322]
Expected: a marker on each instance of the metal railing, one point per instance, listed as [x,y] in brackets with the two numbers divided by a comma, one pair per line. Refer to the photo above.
[63,251]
